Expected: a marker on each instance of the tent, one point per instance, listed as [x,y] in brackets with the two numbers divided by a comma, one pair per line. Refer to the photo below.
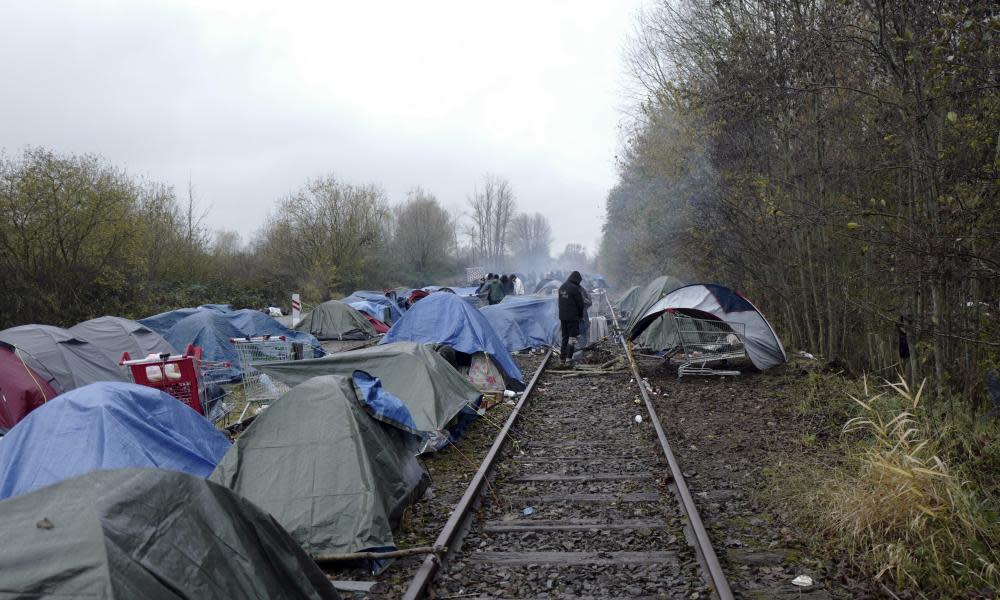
[628,301]
[116,335]
[432,390]
[380,300]
[334,320]
[211,331]
[330,474]
[525,321]
[447,319]
[65,361]
[106,425]
[661,333]
[379,326]
[22,390]
[253,323]
[144,533]
[548,287]
[162,322]
[719,302]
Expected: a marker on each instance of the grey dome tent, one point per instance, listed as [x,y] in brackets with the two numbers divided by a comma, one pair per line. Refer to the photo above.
[762,344]
[65,360]
[115,335]
[432,390]
[334,320]
[146,533]
[626,304]
[661,333]
[333,476]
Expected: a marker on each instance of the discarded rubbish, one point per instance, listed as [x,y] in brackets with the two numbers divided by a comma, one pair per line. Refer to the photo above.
[805,354]
[528,511]
[638,418]
[802,581]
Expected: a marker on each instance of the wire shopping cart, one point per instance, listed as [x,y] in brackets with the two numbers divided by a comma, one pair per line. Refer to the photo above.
[177,375]
[706,341]
[260,390]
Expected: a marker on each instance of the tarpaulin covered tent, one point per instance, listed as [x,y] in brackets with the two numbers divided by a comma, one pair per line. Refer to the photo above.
[145,533]
[64,360]
[432,390]
[211,331]
[378,299]
[447,319]
[21,389]
[525,321]
[334,320]
[335,477]
[715,301]
[253,323]
[116,335]
[162,322]
[106,425]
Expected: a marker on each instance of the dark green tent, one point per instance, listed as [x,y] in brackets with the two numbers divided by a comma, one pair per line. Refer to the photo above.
[147,533]
[333,476]
[334,320]
[432,390]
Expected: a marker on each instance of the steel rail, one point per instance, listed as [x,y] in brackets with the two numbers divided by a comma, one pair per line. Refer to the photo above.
[448,536]
[703,546]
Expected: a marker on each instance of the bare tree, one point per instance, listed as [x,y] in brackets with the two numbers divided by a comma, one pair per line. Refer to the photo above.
[492,210]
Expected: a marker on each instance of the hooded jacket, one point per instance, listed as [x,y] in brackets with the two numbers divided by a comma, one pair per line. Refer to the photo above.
[571,306]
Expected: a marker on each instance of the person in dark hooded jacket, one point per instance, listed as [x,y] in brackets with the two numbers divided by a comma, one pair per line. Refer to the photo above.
[571,311]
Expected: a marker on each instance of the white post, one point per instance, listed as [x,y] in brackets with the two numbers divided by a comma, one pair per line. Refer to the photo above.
[296,307]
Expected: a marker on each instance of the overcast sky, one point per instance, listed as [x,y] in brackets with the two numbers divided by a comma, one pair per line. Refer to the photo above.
[249,100]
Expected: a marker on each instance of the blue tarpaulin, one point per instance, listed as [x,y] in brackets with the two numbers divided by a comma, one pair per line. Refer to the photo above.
[443,318]
[106,425]
[254,323]
[210,331]
[378,299]
[165,320]
[525,321]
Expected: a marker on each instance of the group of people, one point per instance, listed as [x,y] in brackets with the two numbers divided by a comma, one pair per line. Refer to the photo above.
[494,287]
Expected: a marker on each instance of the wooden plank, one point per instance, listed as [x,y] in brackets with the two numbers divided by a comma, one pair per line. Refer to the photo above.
[588,498]
[575,558]
[571,525]
[583,477]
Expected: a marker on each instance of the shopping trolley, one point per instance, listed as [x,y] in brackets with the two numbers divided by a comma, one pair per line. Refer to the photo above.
[177,375]
[259,389]
[706,341]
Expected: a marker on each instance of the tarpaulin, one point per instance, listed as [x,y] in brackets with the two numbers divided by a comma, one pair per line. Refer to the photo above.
[66,361]
[106,426]
[334,320]
[525,321]
[443,318]
[145,533]
[333,476]
[116,335]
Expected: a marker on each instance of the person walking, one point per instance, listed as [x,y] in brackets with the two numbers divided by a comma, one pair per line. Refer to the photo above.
[571,311]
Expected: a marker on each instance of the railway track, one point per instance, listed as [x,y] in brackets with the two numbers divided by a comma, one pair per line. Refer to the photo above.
[580,495]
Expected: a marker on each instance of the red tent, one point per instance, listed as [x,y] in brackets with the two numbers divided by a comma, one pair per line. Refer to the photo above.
[21,389]
[379,326]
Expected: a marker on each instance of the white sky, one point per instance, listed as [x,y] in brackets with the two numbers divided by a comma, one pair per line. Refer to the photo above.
[251,99]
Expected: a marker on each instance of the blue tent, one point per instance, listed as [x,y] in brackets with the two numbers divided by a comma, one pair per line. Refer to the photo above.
[377,299]
[373,310]
[448,319]
[211,331]
[165,320]
[525,321]
[255,323]
[106,425]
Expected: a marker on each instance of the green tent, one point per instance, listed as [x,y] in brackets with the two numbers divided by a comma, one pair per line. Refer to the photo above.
[626,304]
[334,320]
[432,390]
[147,533]
[333,476]
[662,333]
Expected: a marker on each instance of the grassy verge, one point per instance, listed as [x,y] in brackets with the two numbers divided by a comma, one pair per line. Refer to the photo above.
[907,492]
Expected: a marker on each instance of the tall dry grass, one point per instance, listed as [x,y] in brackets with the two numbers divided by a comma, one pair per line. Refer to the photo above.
[899,511]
